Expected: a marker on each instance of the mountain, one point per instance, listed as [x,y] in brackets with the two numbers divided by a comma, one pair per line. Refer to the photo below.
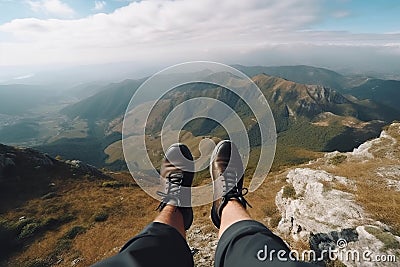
[108,104]
[288,97]
[17,99]
[85,90]
[300,74]
[317,118]
[386,92]
[309,118]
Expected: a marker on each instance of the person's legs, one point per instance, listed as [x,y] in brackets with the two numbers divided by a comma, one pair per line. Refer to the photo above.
[162,242]
[171,216]
[232,213]
[243,241]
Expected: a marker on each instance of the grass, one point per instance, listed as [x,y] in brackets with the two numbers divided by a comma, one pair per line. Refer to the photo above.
[389,242]
[379,201]
[289,191]
[335,263]
[371,191]
[327,186]
[337,159]
[74,231]
[112,184]
[83,212]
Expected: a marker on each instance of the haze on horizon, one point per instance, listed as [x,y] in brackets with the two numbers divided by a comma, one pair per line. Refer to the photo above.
[122,37]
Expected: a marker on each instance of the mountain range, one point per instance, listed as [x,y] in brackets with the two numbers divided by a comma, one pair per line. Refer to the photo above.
[315,110]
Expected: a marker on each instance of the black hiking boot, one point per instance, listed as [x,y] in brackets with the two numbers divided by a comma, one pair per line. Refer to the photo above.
[177,169]
[226,169]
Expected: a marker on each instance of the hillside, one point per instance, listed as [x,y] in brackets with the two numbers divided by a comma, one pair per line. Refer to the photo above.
[90,129]
[108,104]
[47,204]
[386,92]
[74,206]
[300,74]
[300,113]
[17,99]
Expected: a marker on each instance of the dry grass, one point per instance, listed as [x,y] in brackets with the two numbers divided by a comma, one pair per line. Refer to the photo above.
[263,200]
[381,202]
[128,208]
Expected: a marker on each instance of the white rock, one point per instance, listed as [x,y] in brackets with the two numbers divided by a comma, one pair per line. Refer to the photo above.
[315,208]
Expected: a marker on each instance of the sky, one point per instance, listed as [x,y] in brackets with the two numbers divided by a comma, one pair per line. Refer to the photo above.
[349,35]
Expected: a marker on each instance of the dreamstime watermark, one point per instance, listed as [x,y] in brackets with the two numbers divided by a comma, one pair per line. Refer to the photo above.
[176,96]
[340,252]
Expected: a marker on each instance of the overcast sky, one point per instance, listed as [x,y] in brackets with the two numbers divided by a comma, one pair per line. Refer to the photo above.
[338,34]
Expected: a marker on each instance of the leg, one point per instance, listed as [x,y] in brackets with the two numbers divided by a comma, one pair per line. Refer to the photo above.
[162,243]
[173,217]
[243,241]
[232,213]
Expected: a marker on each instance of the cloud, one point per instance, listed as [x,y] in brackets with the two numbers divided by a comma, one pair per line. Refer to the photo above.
[99,5]
[173,31]
[341,14]
[27,76]
[52,7]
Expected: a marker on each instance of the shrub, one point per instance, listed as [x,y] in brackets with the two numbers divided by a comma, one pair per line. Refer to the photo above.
[74,231]
[38,263]
[62,246]
[289,192]
[274,221]
[336,160]
[29,230]
[20,224]
[9,240]
[112,184]
[49,195]
[68,217]
[101,216]
[270,211]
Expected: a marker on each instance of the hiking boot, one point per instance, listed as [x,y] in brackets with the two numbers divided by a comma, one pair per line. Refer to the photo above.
[177,171]
[226,169]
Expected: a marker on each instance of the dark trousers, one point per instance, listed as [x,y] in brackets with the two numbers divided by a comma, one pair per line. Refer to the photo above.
[245,243]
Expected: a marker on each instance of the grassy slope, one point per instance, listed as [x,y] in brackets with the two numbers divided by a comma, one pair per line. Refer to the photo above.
[128,210]
[382,91]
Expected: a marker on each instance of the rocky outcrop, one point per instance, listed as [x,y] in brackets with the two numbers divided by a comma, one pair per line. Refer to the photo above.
[325,95]
[330,219]
[84,168]
[13,158]
[315,205]
[19,162]
[320,208]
